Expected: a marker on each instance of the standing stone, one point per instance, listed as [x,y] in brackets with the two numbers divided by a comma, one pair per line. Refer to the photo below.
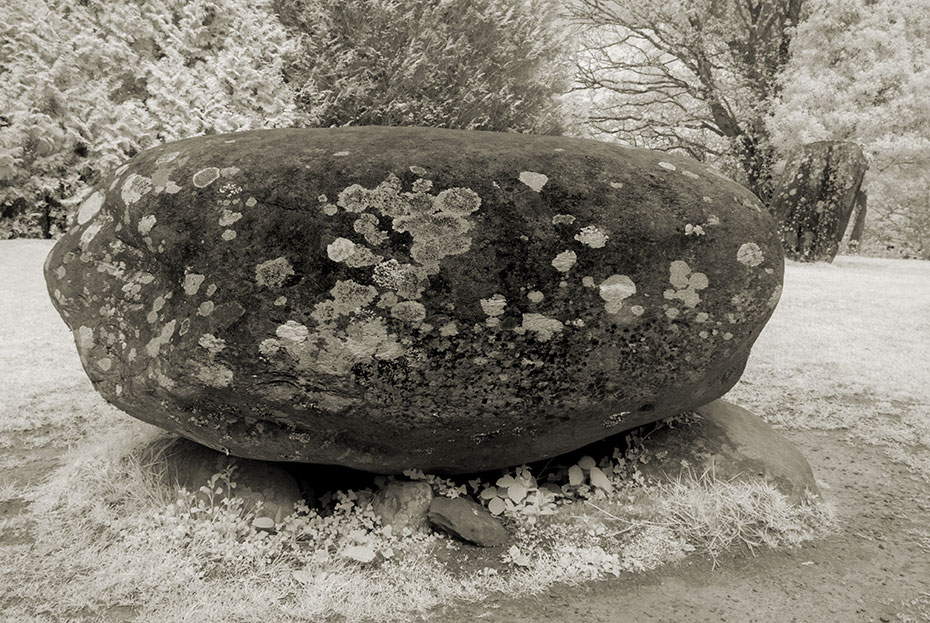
[396,298]
[858,227]
[814,198]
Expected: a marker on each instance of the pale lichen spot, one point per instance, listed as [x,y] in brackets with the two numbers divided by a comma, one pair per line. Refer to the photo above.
[686,284]
[90,232]
[563,284]
[205,177]
[229,217]
[769,271]
[214,375]
[251,202]
[105,363]
[588,281]
[417,170]
[185,327]
[422,186]
[558,149]
[192,283]
[749,254]
[229,171]
[292,331]
[457,201]
[280,301]
[229,234]
[90,207]
[694,230]
[154,345]
[349,296]
[704,335]
[211,343]
[495,305]
[637,310]
[273,273]
[341,154]
[134,188]
[693,176]
[713,219]
[269,347]
[672,313]
[171,188]
[166,158]
[707,199]
[614,290]
[534,180]
[340,249]
[211,289]
[493,322]
[543,326]
[564,261]
[728,336]
[449,329]
[774,297]
[701,317]
[668,166]
[85,338]
[536,296]
[563,219]
[411,312]
[616,185]
[205,308]
[60,272]
[592,236]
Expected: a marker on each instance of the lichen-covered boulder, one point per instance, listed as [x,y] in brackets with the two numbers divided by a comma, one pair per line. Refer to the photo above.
[393,298]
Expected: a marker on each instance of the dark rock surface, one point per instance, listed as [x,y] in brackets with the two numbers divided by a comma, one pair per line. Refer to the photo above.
[404,505]
[731,443]
[815,195]
[393,298]
[467,520]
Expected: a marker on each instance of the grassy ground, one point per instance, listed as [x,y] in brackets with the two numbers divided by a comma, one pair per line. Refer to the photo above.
[88,532]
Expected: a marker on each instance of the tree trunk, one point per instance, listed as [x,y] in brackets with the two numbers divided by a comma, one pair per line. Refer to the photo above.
[814,197]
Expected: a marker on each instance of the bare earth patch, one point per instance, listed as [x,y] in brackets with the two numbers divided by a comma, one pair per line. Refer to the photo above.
[842,368]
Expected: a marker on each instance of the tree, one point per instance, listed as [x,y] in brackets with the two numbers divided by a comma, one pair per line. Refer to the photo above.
[471,64]
[86,85]
[859,72]
[691,75]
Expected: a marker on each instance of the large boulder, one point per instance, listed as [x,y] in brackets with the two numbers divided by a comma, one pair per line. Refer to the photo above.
[393,298]
[815,195]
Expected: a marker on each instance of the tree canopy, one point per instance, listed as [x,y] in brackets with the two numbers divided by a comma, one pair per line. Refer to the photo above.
[859,72]
[692,75]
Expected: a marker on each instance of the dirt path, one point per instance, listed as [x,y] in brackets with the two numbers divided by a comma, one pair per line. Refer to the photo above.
[876,568]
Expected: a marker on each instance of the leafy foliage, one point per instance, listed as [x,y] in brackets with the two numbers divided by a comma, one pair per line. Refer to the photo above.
[469,64]
[859,72]
[86,85]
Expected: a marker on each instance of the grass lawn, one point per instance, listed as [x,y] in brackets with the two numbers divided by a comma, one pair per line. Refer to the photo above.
[89,533]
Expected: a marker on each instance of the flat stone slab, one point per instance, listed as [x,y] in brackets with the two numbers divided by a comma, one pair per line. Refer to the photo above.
[730,443]
[393,298]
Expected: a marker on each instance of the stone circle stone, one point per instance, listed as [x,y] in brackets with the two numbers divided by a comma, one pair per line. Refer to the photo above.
[435,299]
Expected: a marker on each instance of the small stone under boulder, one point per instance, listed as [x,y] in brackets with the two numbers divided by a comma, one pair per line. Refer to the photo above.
[731,443]
[396,298]
[468,521]
[404,505]
[191,466]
